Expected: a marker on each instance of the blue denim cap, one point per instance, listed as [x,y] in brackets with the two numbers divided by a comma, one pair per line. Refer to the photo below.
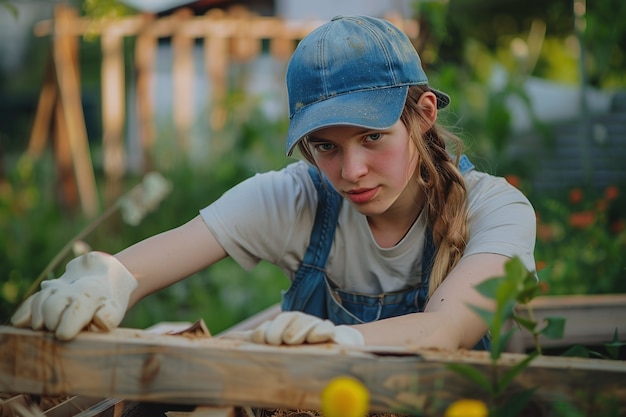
[352,71]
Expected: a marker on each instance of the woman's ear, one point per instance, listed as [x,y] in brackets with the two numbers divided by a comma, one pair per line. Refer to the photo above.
[428,103]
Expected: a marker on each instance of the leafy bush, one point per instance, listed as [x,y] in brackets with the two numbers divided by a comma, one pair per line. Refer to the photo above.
[581,238]
[37,228]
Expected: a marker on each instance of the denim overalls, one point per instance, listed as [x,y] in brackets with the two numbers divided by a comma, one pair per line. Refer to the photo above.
[312,293]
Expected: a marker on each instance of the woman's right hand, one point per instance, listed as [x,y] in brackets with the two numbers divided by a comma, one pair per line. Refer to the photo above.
[93,292]
[296,327]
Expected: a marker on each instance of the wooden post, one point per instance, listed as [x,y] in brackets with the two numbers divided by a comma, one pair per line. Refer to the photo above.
[66,62]
[216,67]
[63,160]
[183,74]
[48,96]
[145,58]
[113,112]
[246,45]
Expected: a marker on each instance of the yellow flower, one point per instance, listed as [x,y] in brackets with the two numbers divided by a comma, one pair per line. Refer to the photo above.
[467,408]
[345,397]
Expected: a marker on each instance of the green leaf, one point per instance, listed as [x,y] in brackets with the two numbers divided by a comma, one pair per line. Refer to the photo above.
[565,409]
[504,339]
[10,7]
[515,269]
[506,292]
[489,287]
[555,327]
[579,351]
[613,347]
[525,323]
[516,402]
[530,289]
[473,375]
[576,351]
[510,374]
[487,315]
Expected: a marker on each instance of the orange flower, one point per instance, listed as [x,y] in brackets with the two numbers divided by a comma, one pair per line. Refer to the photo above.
[611,192]
[582,219]
[513,180]
[544,232]
[575,196]
[544,287]
[601,205]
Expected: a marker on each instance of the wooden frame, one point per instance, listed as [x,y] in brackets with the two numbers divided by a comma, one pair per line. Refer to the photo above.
[235,35]
[138,365]
[590,320]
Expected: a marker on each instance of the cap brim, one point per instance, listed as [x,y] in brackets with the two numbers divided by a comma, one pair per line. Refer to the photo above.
[371,109]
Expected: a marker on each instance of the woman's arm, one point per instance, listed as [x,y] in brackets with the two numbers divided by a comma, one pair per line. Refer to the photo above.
[447,322]
[168,257]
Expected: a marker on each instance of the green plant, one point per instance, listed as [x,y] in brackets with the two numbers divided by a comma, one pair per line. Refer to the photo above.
[612,348]
[36,226]
[518,285]
[134,205]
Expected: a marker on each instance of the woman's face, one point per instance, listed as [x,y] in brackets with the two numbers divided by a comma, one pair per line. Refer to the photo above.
[373,169]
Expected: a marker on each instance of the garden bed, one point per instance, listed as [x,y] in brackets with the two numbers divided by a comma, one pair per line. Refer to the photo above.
[143,367]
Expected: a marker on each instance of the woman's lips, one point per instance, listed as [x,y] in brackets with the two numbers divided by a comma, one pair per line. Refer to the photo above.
[362,195]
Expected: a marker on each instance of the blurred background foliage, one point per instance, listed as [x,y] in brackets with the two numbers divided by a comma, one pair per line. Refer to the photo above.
[581,229]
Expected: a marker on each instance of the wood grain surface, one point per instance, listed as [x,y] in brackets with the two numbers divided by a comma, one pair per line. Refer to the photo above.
[137,365]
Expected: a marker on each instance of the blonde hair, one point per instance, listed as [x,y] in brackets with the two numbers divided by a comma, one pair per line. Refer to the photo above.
[443,185]
[442,182]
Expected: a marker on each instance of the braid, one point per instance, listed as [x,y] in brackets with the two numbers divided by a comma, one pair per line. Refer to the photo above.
[444,186]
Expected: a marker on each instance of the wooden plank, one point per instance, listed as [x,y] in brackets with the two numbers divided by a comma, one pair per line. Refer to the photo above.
[75,406]
[8,407]
[590,320]
[258,27]
[137,365]
[204,411]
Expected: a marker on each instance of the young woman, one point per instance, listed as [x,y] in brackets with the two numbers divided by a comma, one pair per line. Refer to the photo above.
[384,229]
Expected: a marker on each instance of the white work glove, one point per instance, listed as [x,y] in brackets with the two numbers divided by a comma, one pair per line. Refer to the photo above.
[94,291]
[295,327]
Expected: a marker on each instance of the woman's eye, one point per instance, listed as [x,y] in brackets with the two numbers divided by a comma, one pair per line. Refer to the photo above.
[374,137]
[324,147]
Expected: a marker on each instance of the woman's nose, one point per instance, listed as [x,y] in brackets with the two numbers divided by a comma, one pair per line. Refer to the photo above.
[354,165]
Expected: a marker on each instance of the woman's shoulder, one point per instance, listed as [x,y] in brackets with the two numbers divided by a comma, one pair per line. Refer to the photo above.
[294,171]
[289,182]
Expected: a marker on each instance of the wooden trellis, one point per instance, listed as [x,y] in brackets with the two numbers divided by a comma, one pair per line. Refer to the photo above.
[236,35]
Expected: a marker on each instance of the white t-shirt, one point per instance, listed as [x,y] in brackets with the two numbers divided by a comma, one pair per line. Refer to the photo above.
[270,217]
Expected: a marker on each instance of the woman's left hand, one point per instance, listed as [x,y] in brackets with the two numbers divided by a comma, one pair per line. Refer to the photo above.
[296,328]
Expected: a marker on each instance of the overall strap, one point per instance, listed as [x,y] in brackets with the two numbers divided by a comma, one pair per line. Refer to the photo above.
[323,233]
[465,165]
[307,291]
